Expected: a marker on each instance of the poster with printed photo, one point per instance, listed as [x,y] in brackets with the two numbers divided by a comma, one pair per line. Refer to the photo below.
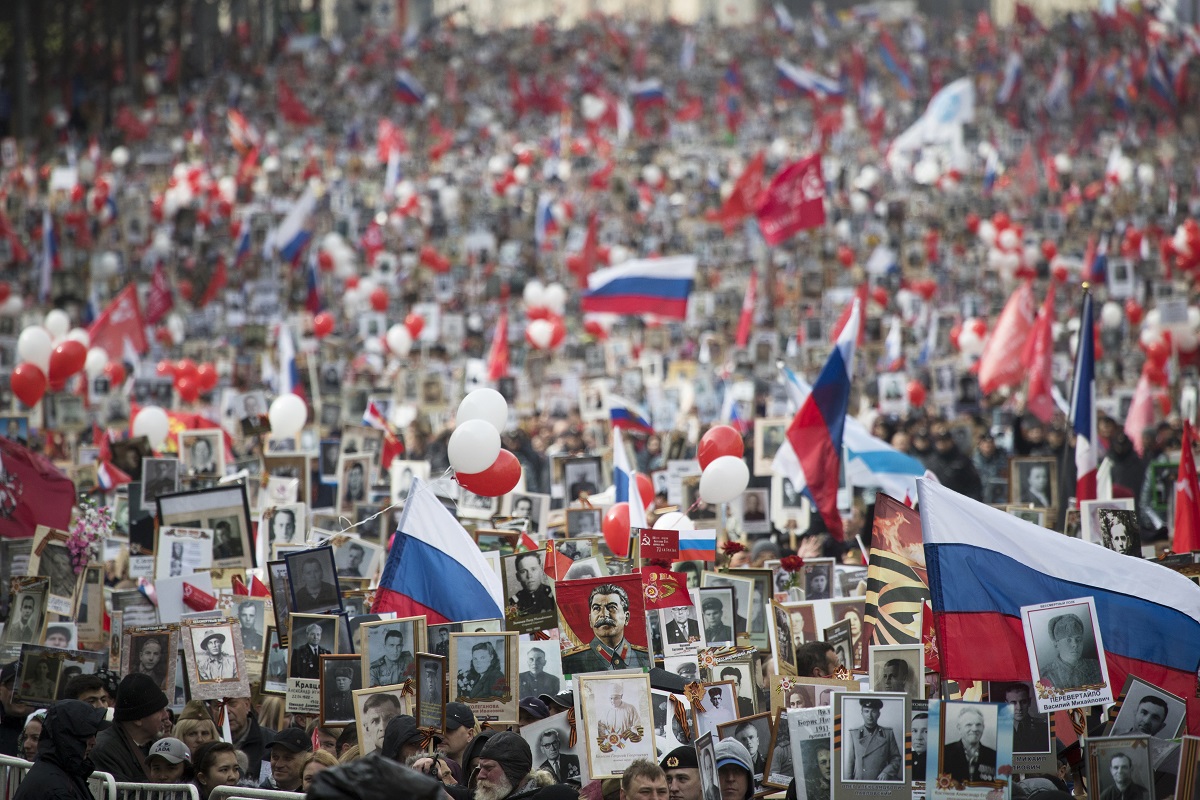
[182,551]
[484,675]
[1066,654]
[52,559]
[617,722]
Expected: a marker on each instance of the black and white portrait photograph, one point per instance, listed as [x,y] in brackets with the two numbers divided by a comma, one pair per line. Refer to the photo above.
[818,579]
[1147,710]
[251,613]
[69,413]
[340,677]
[389,648]
[754,733]
[27,614]
[1031,730]
[541,668]
[329,452]
[250,409]
[1119,767]
[159,476]
[1065,651]
[128,455]
[401,474]
[182,551]
[1089,516]
[1119,531]
[311,636]
[222,509]
[898,668]
[431,694]
[354,476]
[529,593]
[361,440]
[151,651]
[743,591]
[872,738]
[685,667]
[483,673]
[203,453]
[37,679]
[583,521]
[769,434]
[1033,480]
[720,706]
[580,475]
[716,604]
[531,507]
[781,631]
[474,506]
[374,709]
[680,630]
[356,558]
[285,525]
[669,733]
[54,562]
[312,575]
[752,507]
[369,520]
[213,650]
[969,745]
[275,665]
[550,742]
[787,503]
[616,708]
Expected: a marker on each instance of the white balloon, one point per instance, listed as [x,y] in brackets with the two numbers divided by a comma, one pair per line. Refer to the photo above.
[859,203]
[969,342]
[555,297]
[534,294]
[96,361]
[35,345]
[1062,163]
[724,479]
[1008,239]
[287,415]
[120,156]
[57,322]
[12,306]
[81,336]
[1185,340]
[485,404]
[540,332]
[152,423]
[473,447]
[987,232]
[1153,319]
[1111,315]
[1149,336]
[399,340]
[674,521]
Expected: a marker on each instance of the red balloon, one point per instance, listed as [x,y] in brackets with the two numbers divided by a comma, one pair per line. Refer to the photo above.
[880,296]
[1060,273]
[115,372]
[925,288]
[500,478]
[1133,311]
[186,368]
[972,223]
[415,324]
[1000,220]
[28,383]
[721,440]
[165,369]
[596,329]
[916,393]
[323,324]
[206,377]
[379,299]
[325,261]
[558,331]
[541,312]
[352,282]
[188,388]
[645,488]
[5,291]
[616,529]
[1049,249]
[66,360]
[845,255]
[1159,352]
[955,332]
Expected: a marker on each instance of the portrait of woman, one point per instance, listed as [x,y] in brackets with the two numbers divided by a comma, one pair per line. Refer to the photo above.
[484,676]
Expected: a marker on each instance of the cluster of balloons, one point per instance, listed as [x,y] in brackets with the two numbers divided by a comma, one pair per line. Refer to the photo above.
[968,336]
[1183,249]
[190,379]
[50,354]
[616,524]
[724,474]
[545,306]
[480,464]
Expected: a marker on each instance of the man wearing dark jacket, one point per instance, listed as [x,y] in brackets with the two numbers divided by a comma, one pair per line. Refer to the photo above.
[63,765]
[12,720]
[248,736]
[140,714]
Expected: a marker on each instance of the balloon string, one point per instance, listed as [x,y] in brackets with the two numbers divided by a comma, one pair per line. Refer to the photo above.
[424,487]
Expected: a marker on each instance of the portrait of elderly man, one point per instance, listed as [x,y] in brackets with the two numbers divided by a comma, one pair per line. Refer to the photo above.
[563,766]
[608,615]
[618,717]
[1069,668]
[306,654]
[871,751]
[969,759]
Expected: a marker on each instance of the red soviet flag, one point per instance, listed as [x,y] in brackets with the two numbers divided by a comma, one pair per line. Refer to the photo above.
[32,492]
[1187,504]
[795,201]
[121,322]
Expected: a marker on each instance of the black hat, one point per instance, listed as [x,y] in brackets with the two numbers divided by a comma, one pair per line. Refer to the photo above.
[63,629]
[868,703]
[459,715]
[343,672]
[512,753]
[138,696]
[564,699]
[293,740]
[535,708]
[401,730]
[712,602]
[8,672]
[214,635]
[683,757]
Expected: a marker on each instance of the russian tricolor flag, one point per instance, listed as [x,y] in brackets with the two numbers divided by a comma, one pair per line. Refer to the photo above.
[51,260]
[648,93]
[1083,406]
[891,59]
[408,89]
[698,545]
[985,564]
[312,300]
[289,372]
[1012,79]
[659,286]
[624,484]
[1162,82]
[625,414]
[435,569]
[292,235]
[544,224]
[798,79]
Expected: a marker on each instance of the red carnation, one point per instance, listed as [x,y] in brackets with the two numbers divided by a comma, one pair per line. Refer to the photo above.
[729,548]
[792,563]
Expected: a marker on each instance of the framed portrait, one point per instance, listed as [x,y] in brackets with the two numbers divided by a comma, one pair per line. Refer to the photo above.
[969,748]
[216,665]
[1034,516]
[529,593]
[38,672]
[313,580]
[1143,709]
[1065,653]
[788,507]
[129,453]
[51,559]
[281,598]
[1119,531]
[1120,766]
[1188,778]
[743,590]
[898,668]
[1089,516]
[136,608]
[617,604]
[782,638]
[183,551]
[362,440]
[807,738]
[274,665]
[340,677]
[387,648]
[618,720]
[720,706]
[583,522]
[356,558]
[854,610]
[485,672]
[680,630]
[329,451]
[550,742]
[252,616]
[222,509]
[250,408]
[151,650]
[311,636]
[738,670]
[281,468]
[354,475]
[818,578]
[202,453]
[789,692]
[90,620]
[752,509]
[769,434]
[883,718]
[285,525]
[755,733]
[578,476]
[1033,481]
[431,691]
[401,474]
[1033,733]
[369,520]
[373,710]
[474,506]
[840,636]
[159,476]
[78,662]
[541,668]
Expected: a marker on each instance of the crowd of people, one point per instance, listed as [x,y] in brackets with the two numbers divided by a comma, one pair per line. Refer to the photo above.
[384,223]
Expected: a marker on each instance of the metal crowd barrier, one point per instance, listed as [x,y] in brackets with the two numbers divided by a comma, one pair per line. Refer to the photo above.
[12,772]
[157,791]
[244,793]
[103,786]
